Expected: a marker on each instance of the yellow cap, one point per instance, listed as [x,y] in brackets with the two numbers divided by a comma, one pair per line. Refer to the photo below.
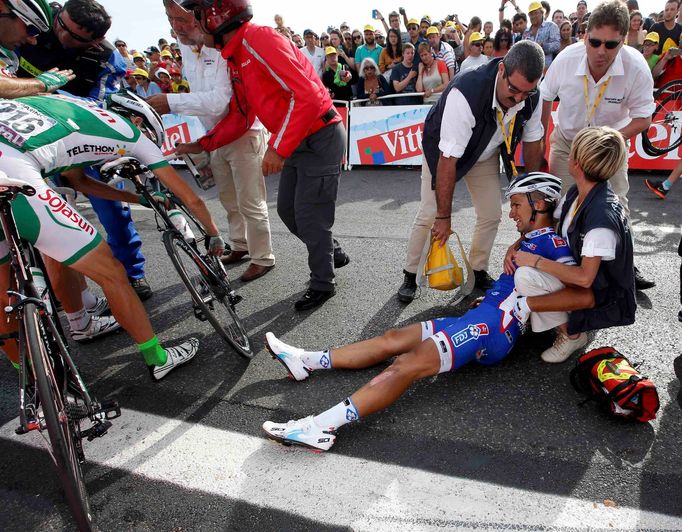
[449,24]
[141,72]
[166,53]
[653,37]
[413,21]
[432,31]
[330,50]
[535,5]
[476,36]
[138,54]
[369,27]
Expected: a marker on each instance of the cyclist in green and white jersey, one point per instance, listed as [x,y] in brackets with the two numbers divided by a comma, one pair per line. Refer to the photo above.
[44,135]
[21,21]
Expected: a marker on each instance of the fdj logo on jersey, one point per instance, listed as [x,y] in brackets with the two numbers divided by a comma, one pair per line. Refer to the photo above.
[58,206]
[472,332]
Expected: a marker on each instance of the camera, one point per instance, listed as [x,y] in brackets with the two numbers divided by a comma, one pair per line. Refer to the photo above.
[401,10]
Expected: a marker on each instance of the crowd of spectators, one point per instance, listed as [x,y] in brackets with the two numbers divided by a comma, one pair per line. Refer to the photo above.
[399,54]
[157,70]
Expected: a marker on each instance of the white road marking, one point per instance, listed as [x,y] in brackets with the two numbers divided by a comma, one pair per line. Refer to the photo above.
[335,489]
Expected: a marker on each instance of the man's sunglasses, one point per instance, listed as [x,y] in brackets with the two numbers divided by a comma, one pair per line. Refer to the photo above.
[139,77]
[31,30]
[610,45]
[476,44]
[73,35]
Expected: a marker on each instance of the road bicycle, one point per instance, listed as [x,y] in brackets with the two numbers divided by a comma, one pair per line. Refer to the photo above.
[213,298]
[53,396]
[665,132]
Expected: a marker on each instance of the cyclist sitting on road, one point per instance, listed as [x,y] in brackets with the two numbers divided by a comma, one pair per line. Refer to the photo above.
[485,334]
[42,135]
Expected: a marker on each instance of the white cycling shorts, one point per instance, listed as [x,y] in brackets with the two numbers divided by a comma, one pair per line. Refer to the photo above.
[45,219]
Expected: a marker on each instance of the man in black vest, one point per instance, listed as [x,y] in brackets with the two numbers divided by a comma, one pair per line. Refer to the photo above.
[76,41]
[483,113]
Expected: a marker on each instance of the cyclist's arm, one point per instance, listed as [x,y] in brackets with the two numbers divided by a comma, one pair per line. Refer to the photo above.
[170,178]
[17,87]
[78,180]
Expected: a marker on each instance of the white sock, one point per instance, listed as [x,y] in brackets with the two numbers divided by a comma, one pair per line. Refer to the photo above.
[317,359]
[78,320]
[89,299]
[338,415]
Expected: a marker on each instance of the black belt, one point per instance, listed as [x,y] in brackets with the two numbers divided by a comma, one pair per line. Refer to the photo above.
[329,115]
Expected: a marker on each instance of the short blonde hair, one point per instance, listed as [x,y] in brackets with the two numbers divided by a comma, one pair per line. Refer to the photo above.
[599,151]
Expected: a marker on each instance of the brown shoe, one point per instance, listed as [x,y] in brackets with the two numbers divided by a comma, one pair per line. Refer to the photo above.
[233,257]
[254,271]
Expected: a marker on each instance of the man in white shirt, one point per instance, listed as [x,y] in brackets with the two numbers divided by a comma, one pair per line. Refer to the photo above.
[442,50]
[475,58]
[314,53]
[236,167]
[600,82]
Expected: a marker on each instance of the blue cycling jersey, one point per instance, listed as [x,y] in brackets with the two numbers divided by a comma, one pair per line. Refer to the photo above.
[488,333]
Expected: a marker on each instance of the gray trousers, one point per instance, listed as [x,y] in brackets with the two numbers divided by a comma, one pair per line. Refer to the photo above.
[306,201]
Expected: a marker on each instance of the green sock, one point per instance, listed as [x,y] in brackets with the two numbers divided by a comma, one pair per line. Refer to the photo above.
[153,353]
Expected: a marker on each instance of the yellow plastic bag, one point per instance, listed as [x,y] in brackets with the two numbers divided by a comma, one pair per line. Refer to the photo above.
[441,268]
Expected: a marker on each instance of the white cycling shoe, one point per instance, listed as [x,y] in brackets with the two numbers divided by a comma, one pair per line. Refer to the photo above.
[304,432]
[288,356]
[100,309]
[97,326]
[177,356]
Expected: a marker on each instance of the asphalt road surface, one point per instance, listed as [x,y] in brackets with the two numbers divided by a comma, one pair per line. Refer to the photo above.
[488,448]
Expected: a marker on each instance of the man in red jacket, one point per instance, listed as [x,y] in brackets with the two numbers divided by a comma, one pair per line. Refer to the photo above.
[274,82]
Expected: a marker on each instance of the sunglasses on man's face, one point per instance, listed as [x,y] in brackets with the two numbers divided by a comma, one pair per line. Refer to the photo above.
[73,35]
[139,78]
[31,30]
[476,44]
[596,43]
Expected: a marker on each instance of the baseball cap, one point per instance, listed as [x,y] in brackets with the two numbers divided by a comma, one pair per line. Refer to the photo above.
[137,54]
[174,72]
[582,2]
[369,27]
[161,71]
[476,36]
[535,5]
[166,53]
[450,24]
[151,50]
[413,21]
[141,72]
[653,37]
[330,50]
[426,18]
[432,31]
[309,32]
[378,33]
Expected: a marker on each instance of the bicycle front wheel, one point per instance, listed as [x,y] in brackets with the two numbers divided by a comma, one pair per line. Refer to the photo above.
[668,114]
[66,451]
[211,295]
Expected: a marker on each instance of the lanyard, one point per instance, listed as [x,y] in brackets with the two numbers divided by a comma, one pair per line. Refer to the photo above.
[600,95]
[508,139]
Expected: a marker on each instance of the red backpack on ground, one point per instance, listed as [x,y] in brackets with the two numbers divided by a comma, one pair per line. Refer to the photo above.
[606,376]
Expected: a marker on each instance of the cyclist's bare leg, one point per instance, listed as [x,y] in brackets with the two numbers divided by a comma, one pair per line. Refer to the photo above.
[387,387]
[368,353]
[10,347]
[101,266]
[66,284]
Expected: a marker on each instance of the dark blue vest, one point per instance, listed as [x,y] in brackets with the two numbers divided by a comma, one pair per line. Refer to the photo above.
[614,285]
[477,86]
